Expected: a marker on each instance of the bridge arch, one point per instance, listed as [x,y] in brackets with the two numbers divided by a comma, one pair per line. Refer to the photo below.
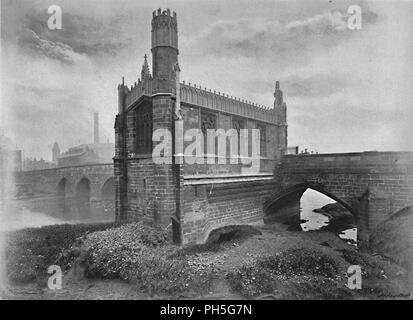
[108,189]
[280,205]
[82,191]
[62,187]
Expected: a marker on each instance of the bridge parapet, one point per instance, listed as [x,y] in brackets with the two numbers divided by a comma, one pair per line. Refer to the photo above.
[363,162]
[374,184]
[47,181]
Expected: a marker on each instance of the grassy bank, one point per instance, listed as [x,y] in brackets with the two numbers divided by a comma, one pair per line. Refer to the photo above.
[30,252]
[141,255]
[249,262]
[292,274]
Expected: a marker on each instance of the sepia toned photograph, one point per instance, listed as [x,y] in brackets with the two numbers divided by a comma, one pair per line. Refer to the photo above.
[222,152]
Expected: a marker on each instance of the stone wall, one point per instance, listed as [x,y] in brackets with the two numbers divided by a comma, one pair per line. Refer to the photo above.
[47,181]
[208,206]
[375,184]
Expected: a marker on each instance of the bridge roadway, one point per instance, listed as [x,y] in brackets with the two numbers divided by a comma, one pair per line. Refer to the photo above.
[95,181]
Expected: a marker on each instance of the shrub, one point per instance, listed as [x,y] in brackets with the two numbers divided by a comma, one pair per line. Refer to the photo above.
[299,266]
[139,254]
[29,252]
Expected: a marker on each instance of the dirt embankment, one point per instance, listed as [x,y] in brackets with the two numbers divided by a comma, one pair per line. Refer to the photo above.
[262,262]
[394,238]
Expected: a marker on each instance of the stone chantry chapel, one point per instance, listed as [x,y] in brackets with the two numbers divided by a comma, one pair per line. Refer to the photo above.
[190,200]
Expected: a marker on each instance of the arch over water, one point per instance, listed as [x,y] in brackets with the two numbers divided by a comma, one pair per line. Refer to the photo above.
[61,187]
[108,189]
[283,203]
[82,191]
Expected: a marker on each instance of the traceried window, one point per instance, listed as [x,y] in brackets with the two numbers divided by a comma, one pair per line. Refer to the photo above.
[144,130]
[238,124]
[263,139]
[208,121]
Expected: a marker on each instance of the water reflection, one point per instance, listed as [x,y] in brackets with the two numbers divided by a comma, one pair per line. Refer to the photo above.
[25,218]
[43,211]
[315,221]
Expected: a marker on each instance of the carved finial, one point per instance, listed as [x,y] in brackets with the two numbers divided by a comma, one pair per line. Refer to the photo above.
[145,73]
[278,95]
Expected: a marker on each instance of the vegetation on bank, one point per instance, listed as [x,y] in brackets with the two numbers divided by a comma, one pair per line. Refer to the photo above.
[30,252]
[394,238]
[293,274]
[142,255]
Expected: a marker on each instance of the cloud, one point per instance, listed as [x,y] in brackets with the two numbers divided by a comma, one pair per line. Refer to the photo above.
[345,90]
[54,50]
[328,20]
[315,86]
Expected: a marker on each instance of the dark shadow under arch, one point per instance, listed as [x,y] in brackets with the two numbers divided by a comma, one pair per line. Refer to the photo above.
[61,187]
[286,196]
[108,189]
[82,192]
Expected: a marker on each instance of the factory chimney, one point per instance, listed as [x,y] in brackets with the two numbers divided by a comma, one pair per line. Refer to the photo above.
[96,128]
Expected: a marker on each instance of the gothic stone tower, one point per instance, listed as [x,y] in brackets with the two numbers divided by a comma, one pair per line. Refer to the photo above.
[145,190]
[189,200]
[164,50]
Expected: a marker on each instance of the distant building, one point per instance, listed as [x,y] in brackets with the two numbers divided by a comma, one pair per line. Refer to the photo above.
[55,153]
[87,153]
[76,156]
[30,164]
[292,150]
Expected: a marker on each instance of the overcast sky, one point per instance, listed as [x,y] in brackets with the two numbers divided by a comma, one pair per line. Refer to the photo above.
[346,90]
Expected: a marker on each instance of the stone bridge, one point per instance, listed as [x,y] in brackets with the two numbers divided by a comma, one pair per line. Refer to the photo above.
[91,182]
[371,185]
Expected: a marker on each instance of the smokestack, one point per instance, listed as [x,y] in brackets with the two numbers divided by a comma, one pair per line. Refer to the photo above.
[96,128]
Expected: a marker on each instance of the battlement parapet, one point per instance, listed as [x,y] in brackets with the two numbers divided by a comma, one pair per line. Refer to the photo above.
[194,95]
[164,29]
[141,88]
[198,96]
[160,13]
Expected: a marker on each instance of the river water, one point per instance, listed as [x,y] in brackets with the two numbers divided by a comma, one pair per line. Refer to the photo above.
[33,213]
[60,210]
[315,221]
